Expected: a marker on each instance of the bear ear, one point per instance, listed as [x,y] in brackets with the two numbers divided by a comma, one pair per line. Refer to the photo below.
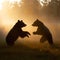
[18,20]
[21,20]
[37,19]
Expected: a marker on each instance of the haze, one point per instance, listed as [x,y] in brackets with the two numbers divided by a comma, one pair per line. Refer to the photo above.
[28,11]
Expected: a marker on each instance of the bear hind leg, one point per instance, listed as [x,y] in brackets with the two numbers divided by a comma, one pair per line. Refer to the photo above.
[43,39]
[50,41]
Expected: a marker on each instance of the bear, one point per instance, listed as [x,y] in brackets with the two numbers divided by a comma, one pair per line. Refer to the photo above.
[44,31]
[15,32]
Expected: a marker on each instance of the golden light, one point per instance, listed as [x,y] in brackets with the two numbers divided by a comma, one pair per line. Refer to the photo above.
[1,7]
[7,24]
[1,1]
[5,21]
[44,2]
[11,3]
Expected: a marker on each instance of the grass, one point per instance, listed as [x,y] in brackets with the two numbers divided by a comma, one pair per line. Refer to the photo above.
[25,53]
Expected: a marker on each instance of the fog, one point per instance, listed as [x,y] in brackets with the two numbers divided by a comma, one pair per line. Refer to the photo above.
[29,11]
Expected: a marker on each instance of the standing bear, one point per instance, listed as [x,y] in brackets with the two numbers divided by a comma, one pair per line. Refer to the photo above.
[15,32]
[44,31]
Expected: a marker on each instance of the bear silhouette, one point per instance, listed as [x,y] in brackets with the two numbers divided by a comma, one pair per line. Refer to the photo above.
[15,32]
[44,31]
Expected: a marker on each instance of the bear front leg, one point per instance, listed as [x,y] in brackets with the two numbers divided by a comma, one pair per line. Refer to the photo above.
[27,34]
[24,34]
[34,32]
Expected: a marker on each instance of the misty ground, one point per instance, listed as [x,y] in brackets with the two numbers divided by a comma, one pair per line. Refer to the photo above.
[25,53]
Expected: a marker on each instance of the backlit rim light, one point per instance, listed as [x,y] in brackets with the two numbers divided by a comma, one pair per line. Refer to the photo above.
[1,1]
[44,2]
[11,3]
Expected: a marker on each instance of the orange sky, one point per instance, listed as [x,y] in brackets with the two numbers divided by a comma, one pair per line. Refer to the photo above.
[29,11]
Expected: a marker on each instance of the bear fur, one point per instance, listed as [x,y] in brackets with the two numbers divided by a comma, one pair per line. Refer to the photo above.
[44,31]
[15,32]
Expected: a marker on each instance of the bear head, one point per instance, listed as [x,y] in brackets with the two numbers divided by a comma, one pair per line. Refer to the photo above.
[21,24]
[37,23]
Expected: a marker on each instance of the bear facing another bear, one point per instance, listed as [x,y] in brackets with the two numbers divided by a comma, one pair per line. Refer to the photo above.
[17,31]
[44,31]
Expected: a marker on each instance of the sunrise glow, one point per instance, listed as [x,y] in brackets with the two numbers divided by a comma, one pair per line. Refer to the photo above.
[7,24]
[44,2]
[1,1]
[11,3]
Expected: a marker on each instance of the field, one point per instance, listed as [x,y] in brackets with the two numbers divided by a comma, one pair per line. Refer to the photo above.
[25,53]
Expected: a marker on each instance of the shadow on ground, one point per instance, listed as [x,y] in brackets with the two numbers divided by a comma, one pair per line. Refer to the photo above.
[25,53]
